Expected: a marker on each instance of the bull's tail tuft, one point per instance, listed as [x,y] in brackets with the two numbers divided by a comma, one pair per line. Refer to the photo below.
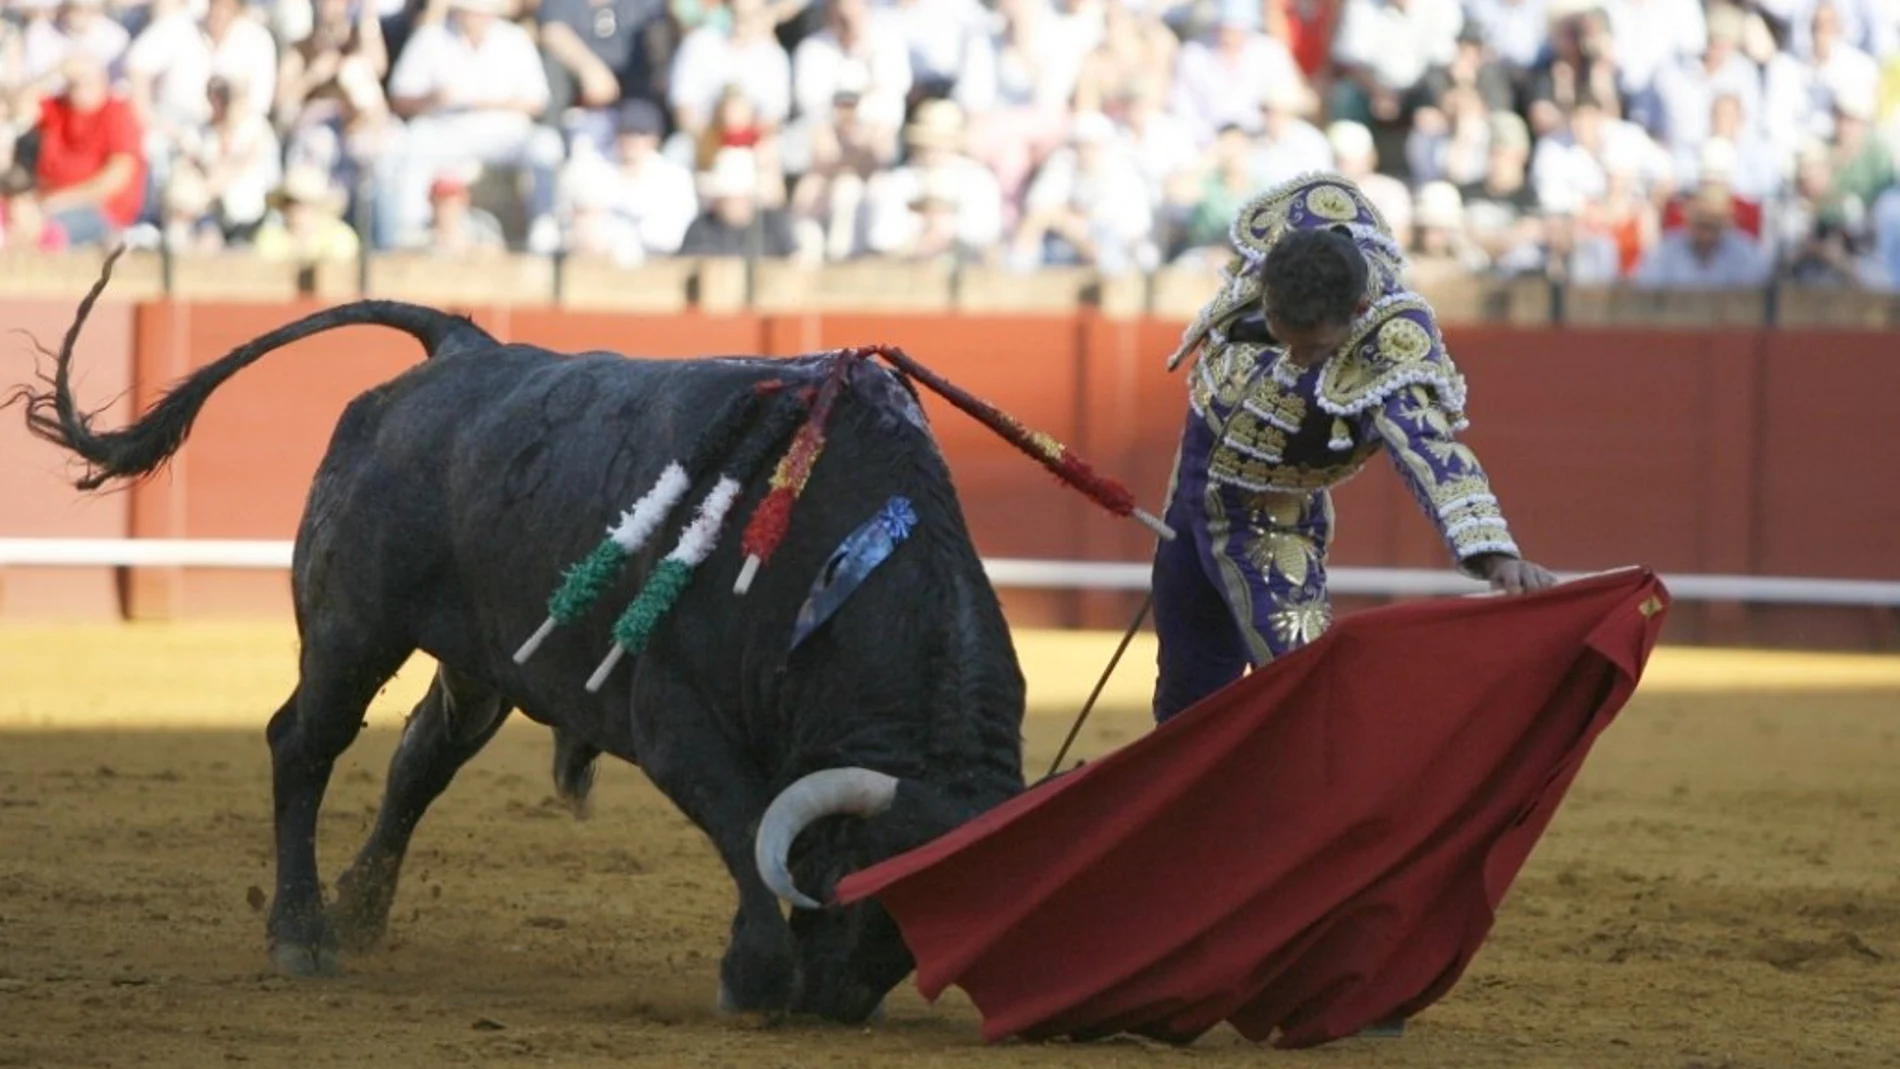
[574,773]
[141,449]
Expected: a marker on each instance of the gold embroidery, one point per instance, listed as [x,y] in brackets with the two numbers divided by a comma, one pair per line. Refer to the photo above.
[1284,552]
[1403,341]
[1650,606]
[1301,622]
[1331,202]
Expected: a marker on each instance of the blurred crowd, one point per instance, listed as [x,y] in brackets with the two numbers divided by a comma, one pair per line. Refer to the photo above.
[1659,142]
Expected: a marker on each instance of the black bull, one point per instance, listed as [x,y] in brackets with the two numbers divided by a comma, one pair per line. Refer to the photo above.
[443,513]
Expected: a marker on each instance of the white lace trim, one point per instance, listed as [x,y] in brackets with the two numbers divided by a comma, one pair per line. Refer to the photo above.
[1450,386]
[1493,546]
[1247,450]
[1273,418]
[1467,501]
[1475,522]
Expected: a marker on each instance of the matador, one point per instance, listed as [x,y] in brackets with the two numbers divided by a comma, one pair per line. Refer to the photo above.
[1312,357]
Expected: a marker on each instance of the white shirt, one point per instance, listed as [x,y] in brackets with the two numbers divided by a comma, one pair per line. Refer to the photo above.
[936,32]
[1300,148]
[1687,91]
[1209,92]
[707,61]
[979,206]
[45,46]
[1114,198]
[503,69]
[1515,29]
[1398,46]
[653,202]
[819,61]
[180,58]
[1648,35]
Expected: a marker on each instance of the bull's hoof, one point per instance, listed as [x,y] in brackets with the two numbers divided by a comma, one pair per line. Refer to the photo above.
[360,917]
[734,1012]
[304,962]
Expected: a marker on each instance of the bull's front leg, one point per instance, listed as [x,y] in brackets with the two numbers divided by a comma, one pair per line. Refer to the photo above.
[686,756]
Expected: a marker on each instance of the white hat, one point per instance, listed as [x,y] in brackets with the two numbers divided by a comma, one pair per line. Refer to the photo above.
[1439,205]
[1716,161]
[1559,199]
[1091,128]
[1349,139]
[734,173]
[1286,94]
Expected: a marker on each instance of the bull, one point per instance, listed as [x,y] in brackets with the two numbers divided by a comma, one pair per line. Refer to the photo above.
[443,509]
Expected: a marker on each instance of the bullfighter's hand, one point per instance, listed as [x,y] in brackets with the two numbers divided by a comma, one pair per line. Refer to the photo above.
[1517,576]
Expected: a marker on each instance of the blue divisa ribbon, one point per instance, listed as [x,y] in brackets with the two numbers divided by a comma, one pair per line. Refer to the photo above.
[852,562]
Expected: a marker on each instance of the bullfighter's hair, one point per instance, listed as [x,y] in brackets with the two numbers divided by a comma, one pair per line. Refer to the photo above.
[142,448]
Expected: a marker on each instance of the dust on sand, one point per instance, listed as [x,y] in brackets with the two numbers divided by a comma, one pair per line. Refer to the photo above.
[1719,889]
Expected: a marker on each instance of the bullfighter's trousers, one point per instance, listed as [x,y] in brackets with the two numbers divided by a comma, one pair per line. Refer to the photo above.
[1243,584]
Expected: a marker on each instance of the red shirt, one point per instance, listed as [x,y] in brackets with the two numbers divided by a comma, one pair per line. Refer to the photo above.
[74,147]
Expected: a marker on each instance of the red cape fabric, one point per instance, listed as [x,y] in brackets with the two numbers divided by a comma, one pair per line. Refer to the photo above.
[1317,847]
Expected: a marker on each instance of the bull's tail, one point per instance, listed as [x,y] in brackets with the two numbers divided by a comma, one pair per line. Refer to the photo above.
[141,448]
[574,772]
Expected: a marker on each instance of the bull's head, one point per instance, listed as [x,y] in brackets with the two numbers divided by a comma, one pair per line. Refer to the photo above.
[849,957]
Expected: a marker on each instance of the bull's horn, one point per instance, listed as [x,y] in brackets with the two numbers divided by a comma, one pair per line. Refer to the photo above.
[857,791]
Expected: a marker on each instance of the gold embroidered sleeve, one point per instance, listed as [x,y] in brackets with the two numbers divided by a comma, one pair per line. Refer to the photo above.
[1443,474]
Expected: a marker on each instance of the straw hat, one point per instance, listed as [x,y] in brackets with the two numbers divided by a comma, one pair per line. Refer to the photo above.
[1439,205]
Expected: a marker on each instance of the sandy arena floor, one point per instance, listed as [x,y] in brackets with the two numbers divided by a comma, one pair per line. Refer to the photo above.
[1722,887]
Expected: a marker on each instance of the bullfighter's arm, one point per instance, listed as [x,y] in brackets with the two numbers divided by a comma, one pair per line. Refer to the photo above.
[1444,476]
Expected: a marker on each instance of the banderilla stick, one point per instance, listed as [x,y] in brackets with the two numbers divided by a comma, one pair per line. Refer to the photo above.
[1129,636]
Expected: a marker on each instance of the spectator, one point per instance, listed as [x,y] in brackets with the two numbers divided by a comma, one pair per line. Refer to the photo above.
[56,31]
[471,87]
[645,200]
[330,100]
[170,66]
[859,57]
[1226,184]
[847,150]
[458,229]
[1502,41]
[1580,66]
[734,221]
[1087,206]
[1837,71]
[932,232]
[22,224]
[1384,50]
[1450,139]
[91,163]
[1017,92]
[745,54]
[187,218]
[940,38]
[1220,81]
[1735,153]
[1562,250]
[1712,253]
[1288,145]
[1356,156]
[938,170]
[1686,90]
[1136,50]
[306,224]
[1161,145]
[234,159]
[1862,164]
[599,52]
[1439,245]
[1647,36]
